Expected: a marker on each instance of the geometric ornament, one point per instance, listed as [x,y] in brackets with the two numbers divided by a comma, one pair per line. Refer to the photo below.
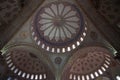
[87,64]
[27,65]
[58,27]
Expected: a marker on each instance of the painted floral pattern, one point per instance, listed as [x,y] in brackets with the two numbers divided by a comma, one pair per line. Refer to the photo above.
[59,27]
[59,22]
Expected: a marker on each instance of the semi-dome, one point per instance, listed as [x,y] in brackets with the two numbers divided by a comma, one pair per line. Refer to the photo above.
[59,27]
[27,65]
[87,64]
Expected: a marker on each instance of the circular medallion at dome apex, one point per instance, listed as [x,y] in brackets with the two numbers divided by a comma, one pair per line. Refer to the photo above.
[59,27]
[27,65]
[87,64]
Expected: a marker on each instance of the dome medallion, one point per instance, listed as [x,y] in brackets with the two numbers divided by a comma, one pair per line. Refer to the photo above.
[58,27]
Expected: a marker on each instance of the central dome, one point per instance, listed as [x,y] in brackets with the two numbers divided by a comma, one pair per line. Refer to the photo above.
[58,24]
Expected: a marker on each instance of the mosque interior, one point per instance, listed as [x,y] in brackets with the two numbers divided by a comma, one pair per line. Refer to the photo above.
[59,39]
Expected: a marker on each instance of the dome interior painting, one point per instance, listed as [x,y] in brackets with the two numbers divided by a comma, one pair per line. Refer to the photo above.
[59,40]
[57,25]
[87,64]
[27,65]
[110,11]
